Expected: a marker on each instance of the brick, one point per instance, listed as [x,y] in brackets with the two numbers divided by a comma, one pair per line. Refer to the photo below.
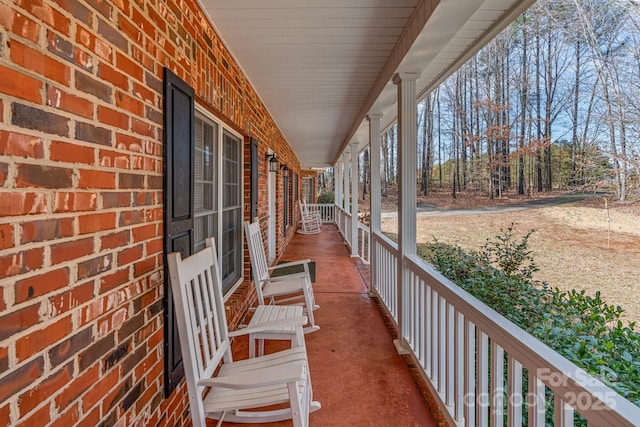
[21,145]
[114,240]
[99,389]
[155,182]
[30,175]
[73,250]
[127,142]
[62,100]
[130,218]
[71,346]
[126,102]
[127,329]
[130,180]
[22,262]
[4,360]
[6,236]
[154,83]
[20,378]
[40,120]
[46,229]
[152,114]
[144,232]
[18,203]
[103,7]
[143,267]
[97,222]
[76,9]
[74,202]
[71,153]
[144,93]
[130,255]
[96,351]
[83,59]
[36,341]
[41,284]
[37,62]
[97,179]
[132,396]
[38,418]
[47,14]
[4,171]
[112,117]
[90,133]
[106,72]
[80,294]
[95,266]
[112,35]
[143,198]
[114,159]
[155,247]
[18,321]
[77,387]
[44,390]
[114,280]
[69,418]
[130,29]
[89,84]
[111,400]
[60,46]
[142,128]
[119,199]
[19,23]
[116,355]
[87,39]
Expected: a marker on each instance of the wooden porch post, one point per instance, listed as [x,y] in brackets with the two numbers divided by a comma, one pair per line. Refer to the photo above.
[375,195]
[337,177]
[345,190]
[407,154]
[354,198]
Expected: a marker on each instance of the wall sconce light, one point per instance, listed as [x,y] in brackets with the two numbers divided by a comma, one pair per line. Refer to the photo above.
[285,170]
[273,162]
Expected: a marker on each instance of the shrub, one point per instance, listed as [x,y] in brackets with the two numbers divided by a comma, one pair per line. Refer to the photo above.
[581,327]
[326,197]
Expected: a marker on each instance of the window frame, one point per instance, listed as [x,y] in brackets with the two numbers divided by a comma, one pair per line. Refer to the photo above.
[205,115]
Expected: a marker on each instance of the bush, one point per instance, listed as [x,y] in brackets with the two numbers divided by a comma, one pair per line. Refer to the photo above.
[326,197]
[581,327]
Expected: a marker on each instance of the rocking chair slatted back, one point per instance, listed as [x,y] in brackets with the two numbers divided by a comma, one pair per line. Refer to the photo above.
[259,264]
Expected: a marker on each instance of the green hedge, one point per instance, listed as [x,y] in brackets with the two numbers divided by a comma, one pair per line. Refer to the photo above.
[581,327]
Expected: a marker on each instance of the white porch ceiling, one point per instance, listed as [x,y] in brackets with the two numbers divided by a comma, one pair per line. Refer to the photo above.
[321,65]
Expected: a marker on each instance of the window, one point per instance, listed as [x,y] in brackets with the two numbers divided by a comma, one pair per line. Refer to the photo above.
[218,197]
[307,190]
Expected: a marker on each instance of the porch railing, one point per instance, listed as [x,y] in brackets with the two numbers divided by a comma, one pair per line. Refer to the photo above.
[327,211]
[477,362]
[343,221]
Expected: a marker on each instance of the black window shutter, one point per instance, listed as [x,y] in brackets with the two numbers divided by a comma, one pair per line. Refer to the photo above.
[254,179]
[178,205]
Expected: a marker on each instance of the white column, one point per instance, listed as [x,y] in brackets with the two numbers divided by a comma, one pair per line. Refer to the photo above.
[375,195]
[354,198]
[337,182]
[407,163]
[345,175]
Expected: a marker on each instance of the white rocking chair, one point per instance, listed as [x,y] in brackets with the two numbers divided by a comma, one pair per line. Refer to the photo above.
[310,220]
[290,288]
[253,384]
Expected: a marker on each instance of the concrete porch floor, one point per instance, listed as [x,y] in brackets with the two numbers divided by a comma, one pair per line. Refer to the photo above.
[356,373]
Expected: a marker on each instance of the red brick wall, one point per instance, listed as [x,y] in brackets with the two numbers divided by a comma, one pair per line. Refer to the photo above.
[81,315]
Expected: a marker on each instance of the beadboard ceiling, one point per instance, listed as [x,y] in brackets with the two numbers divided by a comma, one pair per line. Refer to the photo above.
[320,66]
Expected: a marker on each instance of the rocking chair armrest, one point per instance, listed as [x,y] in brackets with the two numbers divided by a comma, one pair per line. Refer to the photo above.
[290,264]
[291,276]
[269,326]
[274,375]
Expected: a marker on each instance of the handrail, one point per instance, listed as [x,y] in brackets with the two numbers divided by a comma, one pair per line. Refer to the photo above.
[461,346]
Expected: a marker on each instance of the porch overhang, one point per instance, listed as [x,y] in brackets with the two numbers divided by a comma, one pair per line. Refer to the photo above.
[321,67]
